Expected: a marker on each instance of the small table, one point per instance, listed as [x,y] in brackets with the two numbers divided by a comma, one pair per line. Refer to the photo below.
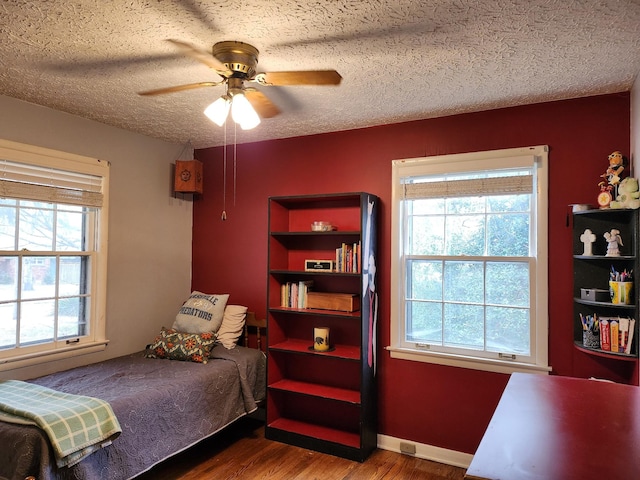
[552,427]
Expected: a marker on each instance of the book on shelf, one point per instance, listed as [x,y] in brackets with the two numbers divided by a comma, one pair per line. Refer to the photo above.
[348,258]
[629,334]
[294,294]
[616,334]
[621,332]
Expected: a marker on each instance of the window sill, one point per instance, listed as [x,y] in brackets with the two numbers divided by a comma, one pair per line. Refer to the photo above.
[37,358]
[485,364]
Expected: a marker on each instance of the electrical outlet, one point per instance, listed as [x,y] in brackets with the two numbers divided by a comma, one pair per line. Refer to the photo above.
[407,448]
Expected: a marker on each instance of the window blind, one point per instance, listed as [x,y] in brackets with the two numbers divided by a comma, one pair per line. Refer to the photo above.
[37,183]
[513,184]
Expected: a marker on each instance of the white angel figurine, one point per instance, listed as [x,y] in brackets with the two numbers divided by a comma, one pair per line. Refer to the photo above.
[614,240]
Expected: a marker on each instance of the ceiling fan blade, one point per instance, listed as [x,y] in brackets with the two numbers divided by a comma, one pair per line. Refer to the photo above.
[302,77]
[261,103]
[202,56]
[178,88]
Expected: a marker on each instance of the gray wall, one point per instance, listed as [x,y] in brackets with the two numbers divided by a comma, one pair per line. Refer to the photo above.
[150,231]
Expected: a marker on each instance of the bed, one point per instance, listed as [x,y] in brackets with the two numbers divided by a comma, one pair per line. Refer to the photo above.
[162,406]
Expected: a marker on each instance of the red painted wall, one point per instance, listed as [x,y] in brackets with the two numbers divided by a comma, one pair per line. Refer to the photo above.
[435,405]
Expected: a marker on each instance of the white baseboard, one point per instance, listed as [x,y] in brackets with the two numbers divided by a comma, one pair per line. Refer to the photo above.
[427,452]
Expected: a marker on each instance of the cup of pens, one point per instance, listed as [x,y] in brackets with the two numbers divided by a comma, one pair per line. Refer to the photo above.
[621,292]
[620,287]
[590,339]
[590,331]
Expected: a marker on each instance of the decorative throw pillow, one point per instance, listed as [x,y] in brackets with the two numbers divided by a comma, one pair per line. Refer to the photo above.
[201,313]
[182,346]
[232,325]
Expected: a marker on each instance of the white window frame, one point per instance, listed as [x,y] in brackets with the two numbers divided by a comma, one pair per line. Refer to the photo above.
[95,340]
[457,163]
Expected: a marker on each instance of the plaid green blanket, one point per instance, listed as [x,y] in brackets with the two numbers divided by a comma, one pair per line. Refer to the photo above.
[76,425]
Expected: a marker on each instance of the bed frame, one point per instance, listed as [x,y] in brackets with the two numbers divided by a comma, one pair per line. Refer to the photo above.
[173,408]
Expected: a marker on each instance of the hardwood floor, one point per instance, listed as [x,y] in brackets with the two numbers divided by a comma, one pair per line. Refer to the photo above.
[242,452]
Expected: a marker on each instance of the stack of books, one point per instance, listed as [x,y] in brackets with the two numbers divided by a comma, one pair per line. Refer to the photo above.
[616,334]
[294,294]
[348,258]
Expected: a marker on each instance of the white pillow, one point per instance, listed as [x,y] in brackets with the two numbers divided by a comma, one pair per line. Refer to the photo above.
[201,313]
[232,325]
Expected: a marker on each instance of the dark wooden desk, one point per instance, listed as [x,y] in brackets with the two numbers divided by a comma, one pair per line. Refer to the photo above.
[551,427]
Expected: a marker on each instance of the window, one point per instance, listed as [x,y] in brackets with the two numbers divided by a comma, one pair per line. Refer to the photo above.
[53,218]
[469,262]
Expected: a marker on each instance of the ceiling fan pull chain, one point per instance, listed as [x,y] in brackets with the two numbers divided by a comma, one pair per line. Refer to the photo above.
[235,156]
[224,176]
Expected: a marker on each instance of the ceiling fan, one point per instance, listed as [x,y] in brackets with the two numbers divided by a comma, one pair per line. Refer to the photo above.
[236,63]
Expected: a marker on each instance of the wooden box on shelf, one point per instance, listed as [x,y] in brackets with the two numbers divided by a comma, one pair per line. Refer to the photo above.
[343,302]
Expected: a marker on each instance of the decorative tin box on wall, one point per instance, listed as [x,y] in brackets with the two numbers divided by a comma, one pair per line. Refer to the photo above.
[188,176]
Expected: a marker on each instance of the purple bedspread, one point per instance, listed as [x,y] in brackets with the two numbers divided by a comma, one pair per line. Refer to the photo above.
[163,407]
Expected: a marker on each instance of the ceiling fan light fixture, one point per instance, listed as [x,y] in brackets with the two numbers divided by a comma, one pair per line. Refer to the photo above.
[243,112]
[218,110]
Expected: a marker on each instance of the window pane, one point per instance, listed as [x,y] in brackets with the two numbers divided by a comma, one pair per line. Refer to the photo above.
[36,229]
[465,235]
[40,205]
[508,330]
[7,228]
[464,282]
[424,322]
[431,206]
[508,203]
[424,280]
[464,325]
[73,271]
[38,277]
[508,284]
[72,321]
[8,324]
[465,205]
[508,235]
[8,278]
[426,235]
[37,321]
[69,231]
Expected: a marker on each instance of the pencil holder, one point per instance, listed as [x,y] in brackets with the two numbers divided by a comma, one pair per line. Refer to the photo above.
[590,339]
[621,292]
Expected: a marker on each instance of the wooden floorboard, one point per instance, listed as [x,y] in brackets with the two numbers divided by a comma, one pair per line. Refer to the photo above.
[241,452]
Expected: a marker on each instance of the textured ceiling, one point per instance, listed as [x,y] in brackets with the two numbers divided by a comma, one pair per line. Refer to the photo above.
[400,60]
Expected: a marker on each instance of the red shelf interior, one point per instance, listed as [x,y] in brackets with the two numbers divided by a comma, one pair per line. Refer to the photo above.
[323,391]
[297,215]
[295,345]
[316,431]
